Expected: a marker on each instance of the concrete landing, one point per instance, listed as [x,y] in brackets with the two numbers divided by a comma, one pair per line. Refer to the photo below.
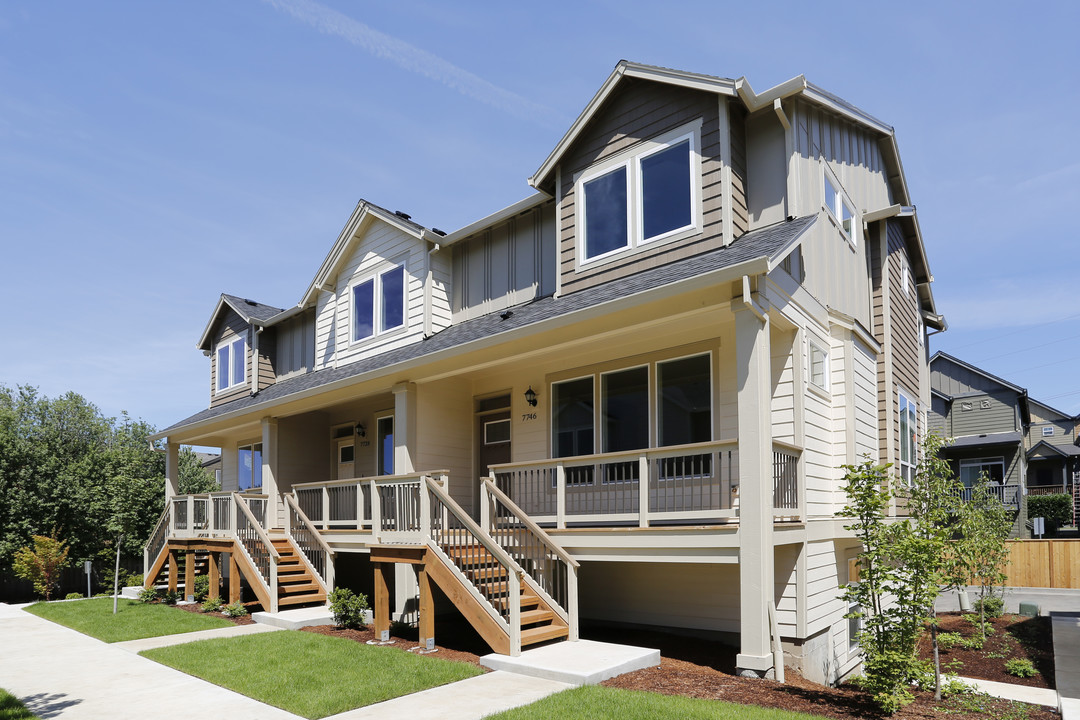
[1066,628]
[585,662]
[297,618]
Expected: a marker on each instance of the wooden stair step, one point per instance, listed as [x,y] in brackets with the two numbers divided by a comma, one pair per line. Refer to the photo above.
[296,569]
[318,597]
[538,615]
[541,633]
[486,573]
[309,587]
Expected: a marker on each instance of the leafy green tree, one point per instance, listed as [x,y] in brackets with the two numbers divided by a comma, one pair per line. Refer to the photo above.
[981,551]
[1056,509]
[42,564]
[193,477]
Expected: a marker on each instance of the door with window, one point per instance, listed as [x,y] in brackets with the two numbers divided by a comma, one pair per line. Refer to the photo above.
[492,436]
[346,458]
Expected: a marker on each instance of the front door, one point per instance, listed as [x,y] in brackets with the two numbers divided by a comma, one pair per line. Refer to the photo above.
[492,436]
[346,458]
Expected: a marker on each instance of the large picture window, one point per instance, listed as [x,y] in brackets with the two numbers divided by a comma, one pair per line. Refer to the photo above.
[378,304]
[649,194]
[231,362]
[249,463]
[624,396]
[993,468]
[685,400]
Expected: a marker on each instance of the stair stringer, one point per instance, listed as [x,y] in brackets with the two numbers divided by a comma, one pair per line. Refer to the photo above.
[468,600]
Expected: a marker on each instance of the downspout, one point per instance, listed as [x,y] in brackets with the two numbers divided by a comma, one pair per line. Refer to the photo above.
[748,299]
[255,359]
[428,292]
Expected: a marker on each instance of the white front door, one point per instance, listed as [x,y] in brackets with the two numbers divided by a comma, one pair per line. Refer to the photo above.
[346,457]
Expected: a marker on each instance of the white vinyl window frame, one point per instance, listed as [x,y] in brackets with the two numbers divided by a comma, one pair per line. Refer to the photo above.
[229,349]
[840,208]
[631,160]
[493,431]
[814,347]
[658,388]
[907,410]
[599,411]
[376,278]
[256,468]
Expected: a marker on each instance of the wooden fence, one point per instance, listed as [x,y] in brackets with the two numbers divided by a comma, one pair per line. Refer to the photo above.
[1044,564]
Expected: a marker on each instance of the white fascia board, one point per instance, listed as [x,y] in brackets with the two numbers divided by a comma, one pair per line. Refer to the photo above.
[624,68]
[778,257]
[204,339]
[752,267]
[755,102]
[537,198]
[850,112]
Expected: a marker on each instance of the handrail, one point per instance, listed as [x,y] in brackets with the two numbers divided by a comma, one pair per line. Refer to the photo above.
[378,479]
[163,518]
[310,526]
[258,528]
[695,448]
[528,522]
[490,545]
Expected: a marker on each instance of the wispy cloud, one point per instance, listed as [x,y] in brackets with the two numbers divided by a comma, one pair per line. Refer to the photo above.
[409,57]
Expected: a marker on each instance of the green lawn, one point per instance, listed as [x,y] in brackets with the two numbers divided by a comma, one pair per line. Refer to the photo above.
[309,674]
[601,703]
[11,708]
[132,621]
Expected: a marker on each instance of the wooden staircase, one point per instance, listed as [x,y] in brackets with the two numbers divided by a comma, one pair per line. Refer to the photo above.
[539,622]
[161,577]
[297,585]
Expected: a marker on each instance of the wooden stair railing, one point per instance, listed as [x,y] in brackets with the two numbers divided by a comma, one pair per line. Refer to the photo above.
[313,550]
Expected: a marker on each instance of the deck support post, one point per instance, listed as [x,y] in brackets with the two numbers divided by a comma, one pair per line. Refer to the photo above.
[382,603]
[174,559]
[270,470]
[234,579]
[189,575]
[756,550]
[214,571]
[427,609]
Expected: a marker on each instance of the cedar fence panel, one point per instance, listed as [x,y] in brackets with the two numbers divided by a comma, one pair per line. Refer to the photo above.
[1044,563]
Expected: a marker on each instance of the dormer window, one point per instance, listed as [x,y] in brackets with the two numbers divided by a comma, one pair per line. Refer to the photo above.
[231,364]
[839,206]
[378,304]
[651,193]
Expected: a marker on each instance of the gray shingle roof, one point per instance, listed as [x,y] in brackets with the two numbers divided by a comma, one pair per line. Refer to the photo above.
[251,310]
[974,441]
[762,243]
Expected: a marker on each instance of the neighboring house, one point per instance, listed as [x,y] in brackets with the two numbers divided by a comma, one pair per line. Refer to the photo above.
[661,358]
[211,463]
[1023,446]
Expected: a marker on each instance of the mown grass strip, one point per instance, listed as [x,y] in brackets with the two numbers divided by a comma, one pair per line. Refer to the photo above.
[11,708]
[133,620]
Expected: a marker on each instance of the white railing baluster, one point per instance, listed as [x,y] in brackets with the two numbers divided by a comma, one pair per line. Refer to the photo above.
[644,481]
[560,496]
[325,508]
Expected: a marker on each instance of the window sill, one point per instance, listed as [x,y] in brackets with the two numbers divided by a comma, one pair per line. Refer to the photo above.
[642,247]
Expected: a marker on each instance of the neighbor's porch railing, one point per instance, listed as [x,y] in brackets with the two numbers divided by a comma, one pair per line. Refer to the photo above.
[682,484]
[1049,490]
[1006,494]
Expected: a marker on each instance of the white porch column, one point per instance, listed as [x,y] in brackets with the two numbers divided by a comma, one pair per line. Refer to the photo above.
[270,469]
[756,560]
[172,470]
[404,427]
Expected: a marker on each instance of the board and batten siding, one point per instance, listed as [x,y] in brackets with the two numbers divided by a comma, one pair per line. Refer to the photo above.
[378,247]
[954,380]
[230,327]
[505,265]
[295,345]
[866,429]
[636,111]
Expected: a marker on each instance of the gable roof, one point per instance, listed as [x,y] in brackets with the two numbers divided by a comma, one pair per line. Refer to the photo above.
[1059,413]
[750,254]
[251,312]
[1062,450]
[337,254]
[979,371]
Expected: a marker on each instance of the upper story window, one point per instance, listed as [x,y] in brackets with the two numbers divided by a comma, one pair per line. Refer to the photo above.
[909,430]
[648,194]
[839,206]
[819,366]
[378,304]
[231,364]
[1048,430]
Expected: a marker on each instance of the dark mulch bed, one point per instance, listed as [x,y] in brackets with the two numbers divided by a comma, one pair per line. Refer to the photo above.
[703,669]
[1014,636]
[242,620]
[406,643]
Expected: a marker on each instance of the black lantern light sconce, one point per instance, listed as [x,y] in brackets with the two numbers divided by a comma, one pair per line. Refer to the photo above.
[530,397]
[361,431]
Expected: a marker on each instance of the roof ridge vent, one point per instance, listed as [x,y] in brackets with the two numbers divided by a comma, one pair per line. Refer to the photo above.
[404,216]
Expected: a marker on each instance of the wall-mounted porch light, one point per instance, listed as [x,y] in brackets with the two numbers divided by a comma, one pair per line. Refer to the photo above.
[530,397]
[361,430]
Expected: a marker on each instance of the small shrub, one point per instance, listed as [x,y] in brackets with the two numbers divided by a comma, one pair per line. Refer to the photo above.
[103,594]
[948,640]
[73,596]
[954,666]
[1056,509]
[41,565]
[348,608]
[212,604]
[149,595]
[171,597]
[1021,668]
[133,580]
[202,587]
[992,606]
[951,685]
[975,642]
[235,609]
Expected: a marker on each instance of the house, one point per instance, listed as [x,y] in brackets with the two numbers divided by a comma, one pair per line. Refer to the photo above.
[1023,446]
[625,398]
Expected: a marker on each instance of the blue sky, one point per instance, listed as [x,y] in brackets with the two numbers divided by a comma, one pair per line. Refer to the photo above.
[154,155]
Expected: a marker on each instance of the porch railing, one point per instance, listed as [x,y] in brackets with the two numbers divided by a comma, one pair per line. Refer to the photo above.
[681,484]
[1005,494]
[347,504]
[257,547]
[210,514]
[1049,490]
[550,568]
[156,543]
[313,549]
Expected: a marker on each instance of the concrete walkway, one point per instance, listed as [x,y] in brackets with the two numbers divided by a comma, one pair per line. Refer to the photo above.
[1067,662]
[1009,691]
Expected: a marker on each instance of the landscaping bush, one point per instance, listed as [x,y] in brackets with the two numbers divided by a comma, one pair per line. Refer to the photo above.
[1020,667]
[149,595]
[947,640]
[171,597]
[348,608]
[1055,509]
[202,587]
[133,580]
[991,606]
[212,604]
[73,596]
[235,610]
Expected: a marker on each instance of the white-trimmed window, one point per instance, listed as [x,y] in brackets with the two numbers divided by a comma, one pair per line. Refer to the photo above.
[497,432]
[909,431]
[249,467]
[384,451]
[1048,430]
[378,304]
[649,194]
[819,365]
[839,206]
[992,467]
[231,364]
[854,625]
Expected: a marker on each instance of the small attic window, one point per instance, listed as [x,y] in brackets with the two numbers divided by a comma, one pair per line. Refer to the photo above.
[1048,430]
[231,364]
